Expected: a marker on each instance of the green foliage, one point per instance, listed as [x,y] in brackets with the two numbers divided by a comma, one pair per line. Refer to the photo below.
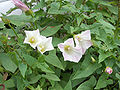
[103,81]
[87,68]
[53,59]
[7,63]
[25,68]
[51,30]
[88,85]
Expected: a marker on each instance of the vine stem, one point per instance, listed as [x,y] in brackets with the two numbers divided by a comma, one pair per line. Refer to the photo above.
[13,30]
[35,21]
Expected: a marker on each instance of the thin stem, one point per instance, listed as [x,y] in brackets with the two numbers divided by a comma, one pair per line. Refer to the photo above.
[19,56]
[13,30]
[35,20]
[114,84]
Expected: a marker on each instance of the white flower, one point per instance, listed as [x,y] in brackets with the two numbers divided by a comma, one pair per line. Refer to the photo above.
[70,53]
[83,40]
[32,38]
[45,44]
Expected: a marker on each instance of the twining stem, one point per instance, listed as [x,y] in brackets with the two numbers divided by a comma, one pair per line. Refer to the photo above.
[35,21]
[13,29]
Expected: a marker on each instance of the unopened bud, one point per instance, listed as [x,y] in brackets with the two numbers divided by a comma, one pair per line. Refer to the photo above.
[93,60]
[20,5]
[108,70]
[29,12]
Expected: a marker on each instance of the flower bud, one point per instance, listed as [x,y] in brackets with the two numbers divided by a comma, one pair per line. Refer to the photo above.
[20,5]
[93,60]
[108,70]
[29,12]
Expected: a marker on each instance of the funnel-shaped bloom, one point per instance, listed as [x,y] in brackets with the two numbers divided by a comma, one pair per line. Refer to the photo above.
[32,38]
[20,5]
[83,40]
[45,44]
[70,53]
[108,70]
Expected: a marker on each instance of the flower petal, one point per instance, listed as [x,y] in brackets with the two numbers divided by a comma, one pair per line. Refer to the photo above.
[49,44]
[45,44]
[85,35]
[61,47]
[84,45]
[32,34]
[74,56]
[69,42]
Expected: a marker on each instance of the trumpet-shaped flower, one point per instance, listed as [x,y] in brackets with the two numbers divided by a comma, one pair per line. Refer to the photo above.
[20,5]
[32,38]
[83,40]
[108,70]
[70,53]
[45,44]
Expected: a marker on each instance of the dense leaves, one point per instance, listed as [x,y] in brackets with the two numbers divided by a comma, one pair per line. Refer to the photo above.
[25,68]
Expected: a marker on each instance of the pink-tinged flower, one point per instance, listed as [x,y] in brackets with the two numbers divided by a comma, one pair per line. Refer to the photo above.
[45,44]
[108,70]
[83,40]
[20,5]
[70,53]
[33,38]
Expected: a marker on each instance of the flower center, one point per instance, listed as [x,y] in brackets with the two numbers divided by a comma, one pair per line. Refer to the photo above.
[78,38]
[67,48]
[42,48]
[32,40]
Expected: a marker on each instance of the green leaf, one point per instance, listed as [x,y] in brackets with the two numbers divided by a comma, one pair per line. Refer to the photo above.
[41,4]
[68,86]
[56,86]
[103,81]
[51,77]
[118,63]
[88,85]
[56,41]
[20,83]
[113,9]
[1,78]
[19,20]
[51,30]
[106,24]
[7,63]
[13,57]
[45,68]
[103,55]
[2,25]
[54,8]
[53,59]
[29,59]
[34,78]
[118,76]
[71,8]
[38,88]
[76,82]
[101,2]
[9,83]
[23,69]
[79,19]
[87,68]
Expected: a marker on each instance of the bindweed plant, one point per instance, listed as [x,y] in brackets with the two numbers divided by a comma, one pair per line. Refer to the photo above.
[61,45]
